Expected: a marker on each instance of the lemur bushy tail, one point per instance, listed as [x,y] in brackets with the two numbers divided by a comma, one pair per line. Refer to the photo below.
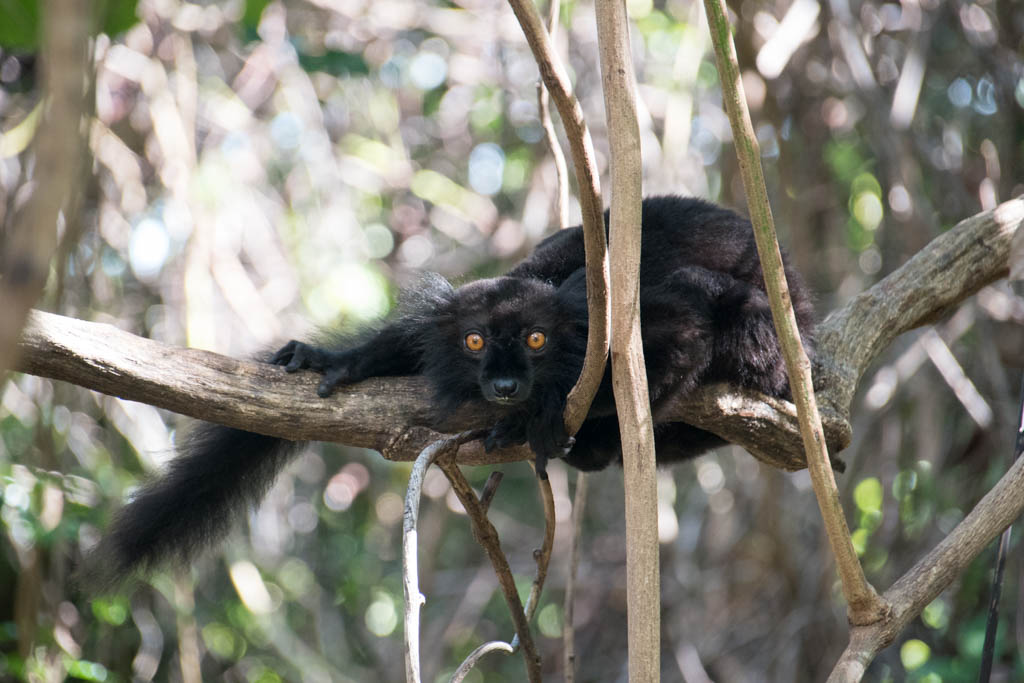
[217,474]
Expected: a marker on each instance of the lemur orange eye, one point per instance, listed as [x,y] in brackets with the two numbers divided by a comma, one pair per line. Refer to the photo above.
[474,341]
[536,340]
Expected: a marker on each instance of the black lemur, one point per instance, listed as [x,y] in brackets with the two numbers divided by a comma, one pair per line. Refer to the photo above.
[517,341]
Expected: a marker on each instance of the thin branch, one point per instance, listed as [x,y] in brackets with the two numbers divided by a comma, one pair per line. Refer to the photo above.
[992,623]
[864,603]
[582,148]
[542,555]
[932,574]
[544,113]
[955,377]
[475,656]
[569,608]
[490,490]
[30,244]
[487,536]
[410,569]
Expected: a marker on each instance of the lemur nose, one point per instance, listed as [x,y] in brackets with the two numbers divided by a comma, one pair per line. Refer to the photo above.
[505,388]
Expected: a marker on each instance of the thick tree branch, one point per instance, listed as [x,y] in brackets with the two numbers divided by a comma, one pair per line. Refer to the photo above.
[950,268]
[393,415]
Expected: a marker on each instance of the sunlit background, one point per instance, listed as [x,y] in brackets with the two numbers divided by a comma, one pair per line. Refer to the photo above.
[261,169]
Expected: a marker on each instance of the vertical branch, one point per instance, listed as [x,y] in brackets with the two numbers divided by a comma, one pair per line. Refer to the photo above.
[32,240]
[992,625]
[557,82]
[487,536]
[188,633]
[568,630]
[544,112]
[629,377]
[865,606]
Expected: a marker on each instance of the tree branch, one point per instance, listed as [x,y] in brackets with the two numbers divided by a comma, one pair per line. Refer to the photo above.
[579,504]
[587,178]
[541,555]
[544,114]
[393,415]
[946,271]
[629,375]
[410,552]
[863,602]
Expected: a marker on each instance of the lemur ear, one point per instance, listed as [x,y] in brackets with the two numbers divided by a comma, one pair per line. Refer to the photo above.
[430,292]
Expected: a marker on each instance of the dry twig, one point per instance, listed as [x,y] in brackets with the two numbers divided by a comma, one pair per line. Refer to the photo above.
[544,113]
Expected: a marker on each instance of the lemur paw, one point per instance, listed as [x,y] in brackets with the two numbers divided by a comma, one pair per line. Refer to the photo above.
[295,356]
[549,440]
[506,432]
[332,379]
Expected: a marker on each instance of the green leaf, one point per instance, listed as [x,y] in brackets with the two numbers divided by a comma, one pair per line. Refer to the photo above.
[113,610]
[859,538]
[87,671]
[914,654]
[868,495]
[19,25]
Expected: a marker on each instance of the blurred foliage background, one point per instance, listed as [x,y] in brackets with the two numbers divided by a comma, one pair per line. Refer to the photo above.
[263,168]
